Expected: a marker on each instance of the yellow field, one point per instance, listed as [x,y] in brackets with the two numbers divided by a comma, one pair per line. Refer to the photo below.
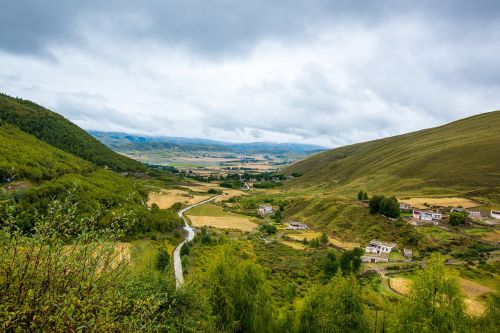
[166,198]
[223,222]
[343,245]
[470,288]
[304,234]
[294,245]
[229,193]
[473,289]
[493,236]
[400,285]
[444,202]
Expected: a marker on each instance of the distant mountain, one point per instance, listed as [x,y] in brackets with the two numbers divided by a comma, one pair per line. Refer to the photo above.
[59,132]
[461,156]
[126,142]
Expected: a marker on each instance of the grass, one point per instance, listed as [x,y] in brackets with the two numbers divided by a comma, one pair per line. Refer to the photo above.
[457,158]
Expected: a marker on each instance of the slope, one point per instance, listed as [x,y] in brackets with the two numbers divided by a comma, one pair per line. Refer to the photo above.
[24,156]
[461,156]
[59,132]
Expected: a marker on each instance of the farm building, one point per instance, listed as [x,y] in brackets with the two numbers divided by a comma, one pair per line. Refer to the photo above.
[376,246]
[408,253]
[265,209]
[378,251]
[296,226]
[473,214]
[427,216]
[495,214]
[404,206]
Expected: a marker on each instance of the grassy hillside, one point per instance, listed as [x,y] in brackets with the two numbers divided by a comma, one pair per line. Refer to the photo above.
[24,156]
[462,156]
[61,133]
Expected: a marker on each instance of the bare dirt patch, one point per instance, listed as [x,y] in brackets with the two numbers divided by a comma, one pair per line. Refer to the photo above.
[442,202]
[223,222]
[473,307]
[228,194]
[493,236]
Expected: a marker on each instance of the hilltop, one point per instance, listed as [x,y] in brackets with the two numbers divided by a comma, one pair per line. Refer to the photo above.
[59,132]
[461,157]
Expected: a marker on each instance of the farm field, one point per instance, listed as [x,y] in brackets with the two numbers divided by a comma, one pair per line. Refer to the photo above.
[443,202]
[214,216]
[471,289]
[166,198]
[294,245]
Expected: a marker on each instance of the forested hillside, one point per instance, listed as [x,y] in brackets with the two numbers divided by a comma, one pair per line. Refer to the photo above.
[463,155]
[59,132]
[24,156]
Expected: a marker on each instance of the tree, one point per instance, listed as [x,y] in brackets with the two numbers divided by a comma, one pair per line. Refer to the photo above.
[457,218]
[162,259]
[374,204]
[365,196]
[350,261]
[323,239]
[335,307]
[435,303]
[360,195]
[390,207]
[330,264]
[239,295]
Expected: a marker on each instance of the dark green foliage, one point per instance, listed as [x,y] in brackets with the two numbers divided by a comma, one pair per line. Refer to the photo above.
[385,206]
[162,259]
[59,132]
[323,239]
[232,184]
[457,218]
[375,202]
[362,195]
[268,228]
[239,295]
[336,308]
[390,207]
[277,216]
[214,191]
[331,264]
[186,249]
[350,261]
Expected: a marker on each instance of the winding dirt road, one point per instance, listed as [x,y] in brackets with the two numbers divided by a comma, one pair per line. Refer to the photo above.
[179,277]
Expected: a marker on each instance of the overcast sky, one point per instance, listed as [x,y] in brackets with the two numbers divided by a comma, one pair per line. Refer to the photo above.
[325,72]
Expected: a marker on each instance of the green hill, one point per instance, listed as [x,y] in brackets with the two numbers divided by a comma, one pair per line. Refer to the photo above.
[59,132]
[24,156]
[463,156]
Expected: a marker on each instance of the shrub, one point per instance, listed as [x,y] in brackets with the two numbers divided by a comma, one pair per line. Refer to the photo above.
[162,259]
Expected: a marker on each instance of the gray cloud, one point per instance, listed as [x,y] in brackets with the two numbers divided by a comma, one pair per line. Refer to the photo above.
[329,72]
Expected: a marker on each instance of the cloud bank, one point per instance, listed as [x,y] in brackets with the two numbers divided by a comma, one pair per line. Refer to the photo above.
[324,72]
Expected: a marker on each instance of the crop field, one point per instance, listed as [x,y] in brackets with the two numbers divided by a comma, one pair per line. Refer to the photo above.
[342,244]
[442,202]
[214,216]
[167,198]
[400,285]
[307,234]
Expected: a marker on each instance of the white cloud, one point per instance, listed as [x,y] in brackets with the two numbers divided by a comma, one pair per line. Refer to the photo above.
[338,84]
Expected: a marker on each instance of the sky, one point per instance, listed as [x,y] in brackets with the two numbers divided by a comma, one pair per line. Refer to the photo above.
[306,71]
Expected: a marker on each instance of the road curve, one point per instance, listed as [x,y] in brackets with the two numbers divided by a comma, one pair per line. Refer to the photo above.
[179,277]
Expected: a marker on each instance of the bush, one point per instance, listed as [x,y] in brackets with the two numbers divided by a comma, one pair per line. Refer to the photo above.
[268,228]
[162,259]
[457,218]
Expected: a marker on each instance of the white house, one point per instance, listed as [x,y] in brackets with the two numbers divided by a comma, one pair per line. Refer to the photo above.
[473,214]
[427,216]
[495,214]
[296,226]
[378,247]
[265,209]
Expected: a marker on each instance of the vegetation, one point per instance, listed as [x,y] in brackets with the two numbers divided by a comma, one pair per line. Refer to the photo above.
[385,206]
[456,218]
[59,132]
[362,195]
[411,162]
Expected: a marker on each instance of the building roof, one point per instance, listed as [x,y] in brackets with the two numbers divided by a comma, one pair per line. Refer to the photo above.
[379,243]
